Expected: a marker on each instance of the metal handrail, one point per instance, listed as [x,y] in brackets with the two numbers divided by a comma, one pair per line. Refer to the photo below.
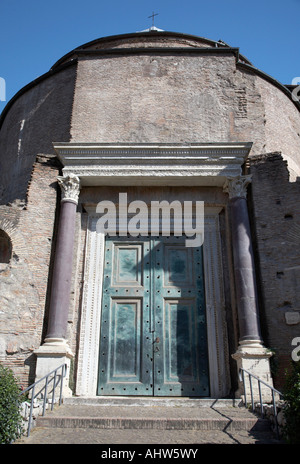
[63,368]
[273,390]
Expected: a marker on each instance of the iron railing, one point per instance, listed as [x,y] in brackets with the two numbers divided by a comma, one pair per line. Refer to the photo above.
[54,377]
[251,376]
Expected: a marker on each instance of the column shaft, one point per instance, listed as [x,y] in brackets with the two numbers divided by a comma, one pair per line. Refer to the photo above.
[244,271]
[62,272]
[243,260]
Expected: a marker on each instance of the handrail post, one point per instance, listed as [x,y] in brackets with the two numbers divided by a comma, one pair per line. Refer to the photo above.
[251,391]
[45,395]
[30,412]
[275,414]
[244,385]
[260,398]
[53,390]
[63,373]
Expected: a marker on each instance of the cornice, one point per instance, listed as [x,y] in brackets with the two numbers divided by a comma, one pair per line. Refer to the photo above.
[163,164]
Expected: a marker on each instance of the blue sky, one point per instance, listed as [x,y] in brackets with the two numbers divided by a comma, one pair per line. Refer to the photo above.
[34,34]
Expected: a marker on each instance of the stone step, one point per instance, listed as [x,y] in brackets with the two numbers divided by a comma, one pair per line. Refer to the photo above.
[159,414]
[153,401]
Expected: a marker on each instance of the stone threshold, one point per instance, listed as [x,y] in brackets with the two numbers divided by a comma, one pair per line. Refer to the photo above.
[152,401]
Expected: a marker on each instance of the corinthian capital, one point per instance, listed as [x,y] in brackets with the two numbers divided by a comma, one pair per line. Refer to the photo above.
[70,187]
[236,187]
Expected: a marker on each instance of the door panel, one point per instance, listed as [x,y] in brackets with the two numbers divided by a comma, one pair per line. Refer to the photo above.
[125,359]
[125,334]
[153,329]
[180,358]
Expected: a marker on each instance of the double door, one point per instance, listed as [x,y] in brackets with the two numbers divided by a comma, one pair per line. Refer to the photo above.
[153,326]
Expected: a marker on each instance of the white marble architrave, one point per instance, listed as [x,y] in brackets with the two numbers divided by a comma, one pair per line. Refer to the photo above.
[218,354]
[88,356]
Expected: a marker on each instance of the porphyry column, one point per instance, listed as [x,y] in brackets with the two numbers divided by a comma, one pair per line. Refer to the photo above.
[55,351]
[62,271]
[251,353]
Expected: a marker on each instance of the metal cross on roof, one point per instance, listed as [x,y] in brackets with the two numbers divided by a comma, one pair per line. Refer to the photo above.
[152,16]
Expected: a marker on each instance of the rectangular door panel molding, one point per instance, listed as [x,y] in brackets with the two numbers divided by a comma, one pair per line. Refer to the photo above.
[128,265]
[179,341]
[125,334]
[179,269]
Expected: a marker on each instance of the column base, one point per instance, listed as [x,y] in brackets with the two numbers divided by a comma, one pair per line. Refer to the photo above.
[255,358]
[53,353]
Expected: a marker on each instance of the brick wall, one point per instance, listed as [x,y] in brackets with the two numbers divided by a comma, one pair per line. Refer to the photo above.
[276,221]
[24,281]
[282,124]
[39,117]
[180,98]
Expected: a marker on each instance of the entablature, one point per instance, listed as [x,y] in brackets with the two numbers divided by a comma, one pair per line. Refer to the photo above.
[153,164]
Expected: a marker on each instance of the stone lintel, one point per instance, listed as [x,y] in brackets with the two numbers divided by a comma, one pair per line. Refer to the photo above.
[153,164]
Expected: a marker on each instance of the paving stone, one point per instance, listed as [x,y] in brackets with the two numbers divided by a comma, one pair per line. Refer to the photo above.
[42,435]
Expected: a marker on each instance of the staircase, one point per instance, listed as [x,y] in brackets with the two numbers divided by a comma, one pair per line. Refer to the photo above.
[130,420]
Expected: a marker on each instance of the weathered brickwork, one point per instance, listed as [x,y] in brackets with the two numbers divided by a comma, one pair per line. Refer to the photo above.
[181,98]
[282,126]
[39,117]
[166,98]
[24,281]
[276,210]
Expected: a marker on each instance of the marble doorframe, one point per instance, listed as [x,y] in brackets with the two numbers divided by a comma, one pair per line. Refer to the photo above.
[202,165]
[90,330]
